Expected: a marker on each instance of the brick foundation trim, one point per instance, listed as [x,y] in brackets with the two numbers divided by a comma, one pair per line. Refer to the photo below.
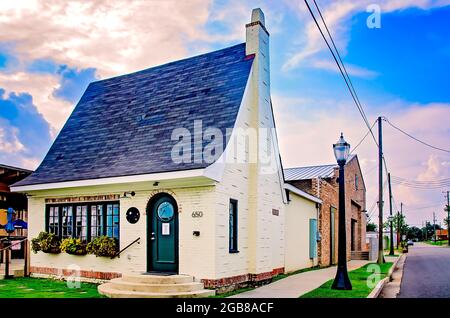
[67,272]
[240,279]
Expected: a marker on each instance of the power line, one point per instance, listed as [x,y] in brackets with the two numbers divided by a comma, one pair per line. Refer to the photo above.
[342,69]
[360,142]
[414,138]
[345,75]
[425,207]
[426,185]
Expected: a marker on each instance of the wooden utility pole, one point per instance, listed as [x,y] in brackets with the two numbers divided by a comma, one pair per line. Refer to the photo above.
[448,218]
[434,226]
[398,229]
[391,227]
[380,193]
[426,230]
[401,221]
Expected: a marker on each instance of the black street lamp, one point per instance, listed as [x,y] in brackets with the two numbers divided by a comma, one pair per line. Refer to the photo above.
[341,281]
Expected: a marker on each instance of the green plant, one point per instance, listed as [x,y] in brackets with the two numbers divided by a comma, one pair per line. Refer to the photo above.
[73,246]
[103,246]
[46,242]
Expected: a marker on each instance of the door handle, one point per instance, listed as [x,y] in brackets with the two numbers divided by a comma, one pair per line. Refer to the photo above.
[152,236]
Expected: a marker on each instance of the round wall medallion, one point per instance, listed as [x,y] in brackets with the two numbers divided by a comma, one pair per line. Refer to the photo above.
[165,211]
[133,215]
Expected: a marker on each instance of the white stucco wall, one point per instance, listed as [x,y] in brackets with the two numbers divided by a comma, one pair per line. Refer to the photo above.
[196,254]
[298,213]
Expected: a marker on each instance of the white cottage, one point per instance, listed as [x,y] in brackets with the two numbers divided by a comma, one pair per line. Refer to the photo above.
[179,163]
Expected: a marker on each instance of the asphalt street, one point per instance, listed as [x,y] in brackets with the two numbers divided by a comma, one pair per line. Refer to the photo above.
[426,273]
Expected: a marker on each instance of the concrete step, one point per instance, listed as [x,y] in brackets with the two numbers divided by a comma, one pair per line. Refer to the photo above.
[360,255]
[154,286]
[108,289]
[12,272]
[157,279]
[120,284]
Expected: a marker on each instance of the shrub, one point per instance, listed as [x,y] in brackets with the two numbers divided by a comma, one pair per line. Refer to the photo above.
[46,242]
[73,246]
[103,246]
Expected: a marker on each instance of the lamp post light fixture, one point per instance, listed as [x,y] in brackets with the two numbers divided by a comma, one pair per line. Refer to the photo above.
[342,281]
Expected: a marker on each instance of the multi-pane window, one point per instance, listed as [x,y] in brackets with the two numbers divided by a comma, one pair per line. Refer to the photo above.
[233,226]
[84,220]
[97,220]
[67,221]
[112,220]
[81,224]
[53,220]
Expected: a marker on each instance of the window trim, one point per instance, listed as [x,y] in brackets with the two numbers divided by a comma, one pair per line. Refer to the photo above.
[233,240]
[89,205]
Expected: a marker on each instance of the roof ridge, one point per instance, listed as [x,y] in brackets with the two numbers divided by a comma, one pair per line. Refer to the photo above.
[315,166]
[168,63]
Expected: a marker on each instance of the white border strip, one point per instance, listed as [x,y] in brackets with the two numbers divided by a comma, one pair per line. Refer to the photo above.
[113,180]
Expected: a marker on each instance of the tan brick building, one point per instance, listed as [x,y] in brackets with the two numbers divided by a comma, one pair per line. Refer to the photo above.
[321,181]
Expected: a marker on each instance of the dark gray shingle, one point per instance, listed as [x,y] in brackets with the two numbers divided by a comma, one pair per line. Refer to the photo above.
[122,126]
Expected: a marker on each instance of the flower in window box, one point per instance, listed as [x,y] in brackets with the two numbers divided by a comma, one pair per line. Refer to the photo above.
[103,246]
[46,242]
[73,246]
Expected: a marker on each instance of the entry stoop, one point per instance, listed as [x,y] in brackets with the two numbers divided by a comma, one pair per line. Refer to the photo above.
[154,286]
[360,255]
[15,270]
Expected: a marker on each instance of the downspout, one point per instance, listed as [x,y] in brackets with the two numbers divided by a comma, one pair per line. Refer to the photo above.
[319,237]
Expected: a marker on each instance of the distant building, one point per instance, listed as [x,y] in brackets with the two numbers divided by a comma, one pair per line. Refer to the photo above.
[321,181]
[18,201]
[441,235]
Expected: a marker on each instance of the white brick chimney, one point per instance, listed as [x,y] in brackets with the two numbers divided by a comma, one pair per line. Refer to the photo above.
[266,195]
[257,42]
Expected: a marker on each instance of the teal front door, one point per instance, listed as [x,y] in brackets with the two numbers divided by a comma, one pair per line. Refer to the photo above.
[163,235]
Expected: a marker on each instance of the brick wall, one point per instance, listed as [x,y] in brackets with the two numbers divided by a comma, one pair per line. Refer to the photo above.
[328,191]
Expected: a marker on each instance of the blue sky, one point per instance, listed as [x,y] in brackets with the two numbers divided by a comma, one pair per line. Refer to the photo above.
[399,70]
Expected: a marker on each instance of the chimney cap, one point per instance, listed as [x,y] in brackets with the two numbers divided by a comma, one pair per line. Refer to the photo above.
[258,16]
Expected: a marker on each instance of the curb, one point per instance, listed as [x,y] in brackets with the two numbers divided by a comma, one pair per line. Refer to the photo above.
[379,287]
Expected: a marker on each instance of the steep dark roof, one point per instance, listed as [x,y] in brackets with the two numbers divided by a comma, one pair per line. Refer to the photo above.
[122,126]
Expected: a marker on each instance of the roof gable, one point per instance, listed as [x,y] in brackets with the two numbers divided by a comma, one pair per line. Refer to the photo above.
[122,126]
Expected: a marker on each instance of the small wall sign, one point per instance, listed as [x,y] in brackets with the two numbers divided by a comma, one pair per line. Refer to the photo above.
[165,229]
[133,215]
[197,214]
[275,212]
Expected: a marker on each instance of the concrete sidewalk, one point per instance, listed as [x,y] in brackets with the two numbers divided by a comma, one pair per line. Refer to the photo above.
[296,285]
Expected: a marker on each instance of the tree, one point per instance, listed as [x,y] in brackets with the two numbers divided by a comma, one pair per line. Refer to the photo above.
[429,229]
[446,221]
[371,227]
[414,233]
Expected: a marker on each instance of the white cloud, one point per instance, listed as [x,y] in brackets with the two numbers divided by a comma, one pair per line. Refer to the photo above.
[9,142]
[41,86]
[306,134]
[352,70]
[336,14]
[113,36]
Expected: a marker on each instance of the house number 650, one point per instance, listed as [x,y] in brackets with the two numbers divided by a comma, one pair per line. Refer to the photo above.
[197,214]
